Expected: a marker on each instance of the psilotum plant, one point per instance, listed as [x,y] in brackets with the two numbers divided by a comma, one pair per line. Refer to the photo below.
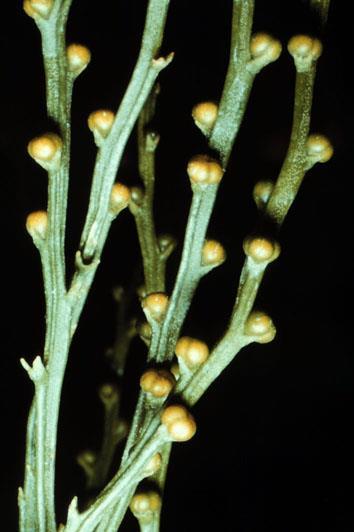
[125,466]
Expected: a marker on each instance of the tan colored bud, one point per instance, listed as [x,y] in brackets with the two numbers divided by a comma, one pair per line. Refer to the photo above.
[179,422]
[193,352]
[108,393]
[87,457]
[144,504]
[46,150]
[261,193]
[38,8]
[100,122]
[137,195]
[261,249]
[141,291]
[213,253]
[155,306]
[305,50]
[203,170]
[167,244]
[260,326]
[153,465]
[264,50]
[144,331]
[36,225]
[204,115]
[319,149]
[78,57]
[119,200]
[158,383]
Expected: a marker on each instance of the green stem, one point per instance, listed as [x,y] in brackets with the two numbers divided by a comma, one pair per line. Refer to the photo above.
[109,443]
[134,432]
[238,82]
[121,483]
[189,272]
[40,455]
[144,76]
[53,261]
[125,330]
[152,526]
[233,340]
[55,368]
[114,518]
[160,479]
[27,500]
[144,216]
[322,7]
[294,166]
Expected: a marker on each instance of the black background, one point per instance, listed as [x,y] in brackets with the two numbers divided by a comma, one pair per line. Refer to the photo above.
[274,448]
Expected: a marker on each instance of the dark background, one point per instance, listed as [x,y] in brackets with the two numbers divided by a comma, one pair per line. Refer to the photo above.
[274,448]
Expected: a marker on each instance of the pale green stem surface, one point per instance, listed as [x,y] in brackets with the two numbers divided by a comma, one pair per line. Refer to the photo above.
[232,341]
[53,261]
[189,272]
[121,482]
[113,519]
[238,82]
[294,166]
[143,79]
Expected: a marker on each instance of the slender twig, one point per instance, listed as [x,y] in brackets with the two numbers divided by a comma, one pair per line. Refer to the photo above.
[58,107]
[189,273]
[322,8]
[110,397]
[143,211]
[294,166]
[233,340]
[143,79]
[238,82]
[160,479]
[121,483]
[125,328]
[113,519]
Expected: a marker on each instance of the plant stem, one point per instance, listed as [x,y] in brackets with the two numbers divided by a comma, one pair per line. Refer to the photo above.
[143,214]
[27,502]
[160,479]
[142,81]
[112,521]
[294,166]
[53,261]
[238,82]
[322,7]
[108,447]
[233,340]
[189,272]
[121,482]
[125,328]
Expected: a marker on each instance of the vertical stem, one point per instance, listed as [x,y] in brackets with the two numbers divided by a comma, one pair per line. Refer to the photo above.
[40,455]
[322,7]
[189,272]
[294,166]
[238,82]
